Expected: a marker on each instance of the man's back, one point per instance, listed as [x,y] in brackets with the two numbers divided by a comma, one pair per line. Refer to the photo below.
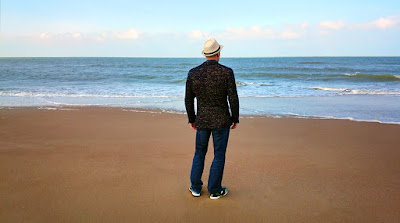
[211,83]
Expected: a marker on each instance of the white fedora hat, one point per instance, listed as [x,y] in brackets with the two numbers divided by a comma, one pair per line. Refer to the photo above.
[211,47]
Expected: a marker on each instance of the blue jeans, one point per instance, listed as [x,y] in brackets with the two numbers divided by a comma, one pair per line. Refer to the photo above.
[220,139]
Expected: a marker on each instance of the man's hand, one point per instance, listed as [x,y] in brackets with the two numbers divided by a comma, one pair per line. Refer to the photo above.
[234,126]
[192,125]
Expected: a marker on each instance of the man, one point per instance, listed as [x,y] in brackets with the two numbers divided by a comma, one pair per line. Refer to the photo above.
[213,85]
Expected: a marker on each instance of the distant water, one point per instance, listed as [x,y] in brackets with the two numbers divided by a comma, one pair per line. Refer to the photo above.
[359,88]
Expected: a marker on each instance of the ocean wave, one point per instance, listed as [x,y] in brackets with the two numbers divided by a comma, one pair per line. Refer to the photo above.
[299,116]
[287,75]
[318,76]
[373,77]
[188,64]
[238,83]
[293,115]
[377,92]
[170,78]
[330,89]
[156,111]
[263,84]
[312,62]
[177,81]
[351,75]
[275,96]
[342,91]
[274,75]
[259,84]
[55,108]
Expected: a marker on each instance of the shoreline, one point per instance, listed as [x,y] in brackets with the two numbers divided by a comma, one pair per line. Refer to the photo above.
[179,112]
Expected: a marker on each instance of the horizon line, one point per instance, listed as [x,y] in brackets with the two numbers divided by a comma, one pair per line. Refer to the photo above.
[172,57]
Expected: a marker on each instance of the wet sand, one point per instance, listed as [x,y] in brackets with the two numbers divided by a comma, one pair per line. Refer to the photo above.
[117,165]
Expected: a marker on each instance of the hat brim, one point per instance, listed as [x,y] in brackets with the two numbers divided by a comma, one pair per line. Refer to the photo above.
[209,55]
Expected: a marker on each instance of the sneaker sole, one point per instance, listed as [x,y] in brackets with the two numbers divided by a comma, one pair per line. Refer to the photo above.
[194,194]
[215,198]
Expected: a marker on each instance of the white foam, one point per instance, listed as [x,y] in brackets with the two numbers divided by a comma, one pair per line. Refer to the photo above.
[74,105]
[154,111]
[293,115]
[41,94]
[330,89]
[274,96]
[375,92]
[47,108]
[350,75]
[238,83]
[259,84]
[343,91]
[142,111]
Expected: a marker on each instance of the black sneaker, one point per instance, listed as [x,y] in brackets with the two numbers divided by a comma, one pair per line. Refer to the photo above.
[217,195]
[194,193]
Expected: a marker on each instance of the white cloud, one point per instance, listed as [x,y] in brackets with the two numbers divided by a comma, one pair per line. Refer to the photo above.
[61,36]
[288,34]
[101,37]
[198,34]
[130,34]
[293,31]
[44,36]
[304,25]
[256,32]
[336,25]
[384,23]
[253,32]
[381,23]
[76,35]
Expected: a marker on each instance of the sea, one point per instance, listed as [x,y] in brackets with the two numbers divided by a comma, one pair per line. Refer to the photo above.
[354,88]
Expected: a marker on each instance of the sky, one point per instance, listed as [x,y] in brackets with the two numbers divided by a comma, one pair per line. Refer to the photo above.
[177,28]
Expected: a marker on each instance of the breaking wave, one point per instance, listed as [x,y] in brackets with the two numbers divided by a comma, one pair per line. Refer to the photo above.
[373,77]
[357,91]
[354,77]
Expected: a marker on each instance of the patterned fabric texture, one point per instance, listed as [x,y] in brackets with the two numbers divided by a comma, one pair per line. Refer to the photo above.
[213,85]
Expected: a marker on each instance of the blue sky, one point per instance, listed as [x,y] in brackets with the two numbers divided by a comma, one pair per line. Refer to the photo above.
[178,28]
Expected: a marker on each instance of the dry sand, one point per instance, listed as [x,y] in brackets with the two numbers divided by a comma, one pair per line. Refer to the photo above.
[115,165]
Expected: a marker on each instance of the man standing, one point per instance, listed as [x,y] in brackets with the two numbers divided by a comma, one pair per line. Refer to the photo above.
[213,85]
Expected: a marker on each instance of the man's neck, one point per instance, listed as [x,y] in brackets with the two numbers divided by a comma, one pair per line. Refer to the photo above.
[213,58]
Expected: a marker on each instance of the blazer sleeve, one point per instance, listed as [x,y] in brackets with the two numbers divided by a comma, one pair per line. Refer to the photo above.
[233,98]
[189,100]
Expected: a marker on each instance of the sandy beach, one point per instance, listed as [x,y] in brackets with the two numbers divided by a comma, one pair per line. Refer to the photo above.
[118,165]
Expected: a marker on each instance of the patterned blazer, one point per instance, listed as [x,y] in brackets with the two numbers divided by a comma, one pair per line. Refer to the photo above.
[213,85]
